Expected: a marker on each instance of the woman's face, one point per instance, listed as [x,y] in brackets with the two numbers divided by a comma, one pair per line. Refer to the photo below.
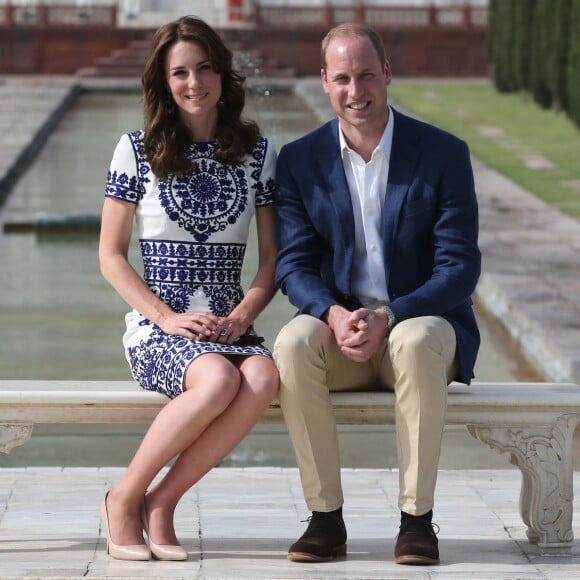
[193,84]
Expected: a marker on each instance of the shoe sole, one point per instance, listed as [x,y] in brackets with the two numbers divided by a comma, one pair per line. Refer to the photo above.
[416,560]
[306,557]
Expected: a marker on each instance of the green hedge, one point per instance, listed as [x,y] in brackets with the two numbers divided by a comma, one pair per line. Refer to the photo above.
[572,82]
[534,47]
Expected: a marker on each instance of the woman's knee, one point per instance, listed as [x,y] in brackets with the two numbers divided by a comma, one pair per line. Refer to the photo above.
[261,376]
[215,379]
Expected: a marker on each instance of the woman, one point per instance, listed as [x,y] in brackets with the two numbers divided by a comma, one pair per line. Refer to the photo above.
[191,181]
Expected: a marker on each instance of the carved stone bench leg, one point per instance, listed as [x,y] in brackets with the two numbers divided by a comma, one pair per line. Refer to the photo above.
[14,434]
[543,453]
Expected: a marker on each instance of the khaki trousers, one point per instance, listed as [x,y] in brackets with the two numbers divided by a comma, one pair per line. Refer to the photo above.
[417,362]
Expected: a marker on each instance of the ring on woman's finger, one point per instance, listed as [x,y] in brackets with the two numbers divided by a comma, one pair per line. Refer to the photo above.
[224,332]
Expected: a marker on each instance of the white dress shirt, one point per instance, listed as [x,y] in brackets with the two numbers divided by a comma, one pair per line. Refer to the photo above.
[367,183]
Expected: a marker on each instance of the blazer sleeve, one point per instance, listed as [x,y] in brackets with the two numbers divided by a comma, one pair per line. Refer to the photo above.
[300,248]
[456,259]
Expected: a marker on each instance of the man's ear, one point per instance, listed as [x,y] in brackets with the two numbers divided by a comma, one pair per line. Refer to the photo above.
[324,80]
[388,73]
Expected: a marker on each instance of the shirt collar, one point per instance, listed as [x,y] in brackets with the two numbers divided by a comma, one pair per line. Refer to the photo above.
[385,144]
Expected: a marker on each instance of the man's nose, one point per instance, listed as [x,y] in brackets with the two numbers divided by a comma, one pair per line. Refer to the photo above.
[355,88]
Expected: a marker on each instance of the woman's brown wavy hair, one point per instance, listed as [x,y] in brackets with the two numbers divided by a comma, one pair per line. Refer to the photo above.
[166,138]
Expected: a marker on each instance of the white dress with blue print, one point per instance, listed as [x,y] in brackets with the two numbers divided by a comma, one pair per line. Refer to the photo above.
[192,231]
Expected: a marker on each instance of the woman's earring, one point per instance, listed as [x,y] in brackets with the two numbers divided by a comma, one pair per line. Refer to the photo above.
[221,102]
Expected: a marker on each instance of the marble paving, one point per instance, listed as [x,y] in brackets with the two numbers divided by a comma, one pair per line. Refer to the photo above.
[238,524]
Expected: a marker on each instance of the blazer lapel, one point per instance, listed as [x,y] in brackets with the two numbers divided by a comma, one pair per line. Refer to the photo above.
[404,156]
[337,187]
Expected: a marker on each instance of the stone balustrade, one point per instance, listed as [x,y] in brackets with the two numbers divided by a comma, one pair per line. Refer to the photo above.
[533,423]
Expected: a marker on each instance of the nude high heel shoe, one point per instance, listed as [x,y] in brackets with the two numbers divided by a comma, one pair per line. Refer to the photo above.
[137,552]
[165,552]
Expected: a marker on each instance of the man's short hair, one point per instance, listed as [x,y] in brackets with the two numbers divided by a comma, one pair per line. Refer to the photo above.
[354,30]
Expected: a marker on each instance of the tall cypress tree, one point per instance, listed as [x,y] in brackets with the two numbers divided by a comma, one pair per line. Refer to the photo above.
[557,51]
[523,16]
[573,63]
[491,32]
[502,46]
[539,60]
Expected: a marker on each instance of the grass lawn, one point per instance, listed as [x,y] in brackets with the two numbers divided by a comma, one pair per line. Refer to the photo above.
[538,149]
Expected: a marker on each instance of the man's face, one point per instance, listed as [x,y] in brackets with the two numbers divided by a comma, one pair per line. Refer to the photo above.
[356,83]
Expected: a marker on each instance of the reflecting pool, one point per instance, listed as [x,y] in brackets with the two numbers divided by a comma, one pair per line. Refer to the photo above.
[59,319]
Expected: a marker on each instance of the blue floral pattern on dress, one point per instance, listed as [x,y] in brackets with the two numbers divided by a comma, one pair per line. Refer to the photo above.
[207,201]
[130,187]
[160,362]
[190,234]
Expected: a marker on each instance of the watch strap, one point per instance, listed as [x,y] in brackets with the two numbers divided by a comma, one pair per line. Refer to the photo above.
[391,320]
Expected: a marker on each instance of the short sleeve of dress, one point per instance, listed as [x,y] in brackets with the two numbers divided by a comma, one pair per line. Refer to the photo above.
[123,177]
[265,183]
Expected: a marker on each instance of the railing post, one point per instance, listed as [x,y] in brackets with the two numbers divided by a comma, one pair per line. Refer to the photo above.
[235,10]
[431,16]
[114,15]
[360,12]
[42,15]
[466,16]
[328,15]
[9,14]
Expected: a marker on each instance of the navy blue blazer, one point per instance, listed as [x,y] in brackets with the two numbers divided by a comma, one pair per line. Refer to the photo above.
[429,228]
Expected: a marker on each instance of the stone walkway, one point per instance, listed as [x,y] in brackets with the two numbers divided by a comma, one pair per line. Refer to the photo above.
[238,524]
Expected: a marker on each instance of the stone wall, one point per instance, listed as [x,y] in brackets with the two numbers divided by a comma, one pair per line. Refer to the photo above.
[438,52]
[421,41]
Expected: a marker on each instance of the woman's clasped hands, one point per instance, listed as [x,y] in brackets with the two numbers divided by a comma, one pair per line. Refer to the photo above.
[203,326]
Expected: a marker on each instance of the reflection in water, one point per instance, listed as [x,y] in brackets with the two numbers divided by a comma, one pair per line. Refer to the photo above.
[59,319]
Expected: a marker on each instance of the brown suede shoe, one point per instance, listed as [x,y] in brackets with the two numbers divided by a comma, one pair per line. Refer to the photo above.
[324,539]
[417,543]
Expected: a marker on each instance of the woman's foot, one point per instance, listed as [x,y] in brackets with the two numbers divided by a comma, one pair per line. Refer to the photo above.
[121,547]
[158,525]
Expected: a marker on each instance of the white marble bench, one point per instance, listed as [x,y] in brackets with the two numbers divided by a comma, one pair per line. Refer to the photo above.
[533,422]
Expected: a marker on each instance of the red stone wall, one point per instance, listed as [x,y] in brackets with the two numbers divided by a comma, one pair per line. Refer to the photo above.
[58,50]
[440,51]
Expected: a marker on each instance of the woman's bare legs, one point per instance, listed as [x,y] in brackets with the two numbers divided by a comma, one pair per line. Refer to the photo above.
[259,385]
[211,384]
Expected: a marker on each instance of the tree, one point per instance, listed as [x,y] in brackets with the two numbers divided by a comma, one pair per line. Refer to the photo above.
[523,14]
[501,45]
[557,51]
[573,63]
[540,45]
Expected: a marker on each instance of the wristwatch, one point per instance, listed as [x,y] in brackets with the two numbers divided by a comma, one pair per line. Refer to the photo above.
[391,320]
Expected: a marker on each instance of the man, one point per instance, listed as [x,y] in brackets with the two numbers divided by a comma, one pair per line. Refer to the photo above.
[378,226]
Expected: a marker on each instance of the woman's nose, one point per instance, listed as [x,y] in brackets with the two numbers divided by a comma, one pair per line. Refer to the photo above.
[193,79]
